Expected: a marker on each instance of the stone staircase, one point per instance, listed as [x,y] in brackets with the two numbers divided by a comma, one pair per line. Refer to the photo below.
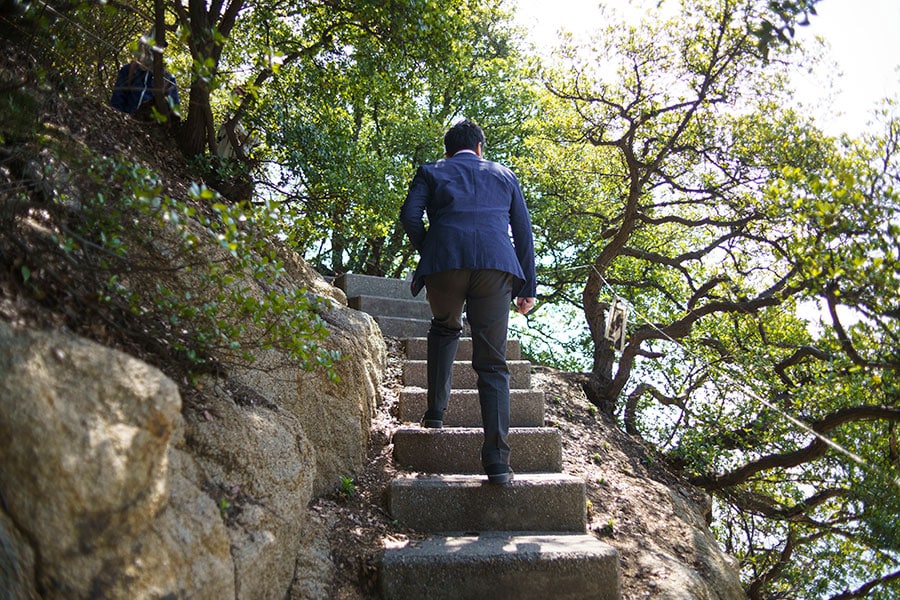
[524,540]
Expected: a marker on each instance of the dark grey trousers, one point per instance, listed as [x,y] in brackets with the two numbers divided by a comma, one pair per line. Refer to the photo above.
[486,295]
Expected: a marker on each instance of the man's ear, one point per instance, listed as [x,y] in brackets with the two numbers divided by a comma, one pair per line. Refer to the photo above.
[479,149]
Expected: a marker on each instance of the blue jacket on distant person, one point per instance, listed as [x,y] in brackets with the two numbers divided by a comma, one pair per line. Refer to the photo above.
[134,88]
[472,206]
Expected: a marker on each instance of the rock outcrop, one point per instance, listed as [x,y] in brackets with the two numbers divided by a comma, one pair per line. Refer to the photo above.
[116,481]
[97,498]
[110,489]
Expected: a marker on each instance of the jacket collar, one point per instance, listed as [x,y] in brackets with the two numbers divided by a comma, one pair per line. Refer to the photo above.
[465,155]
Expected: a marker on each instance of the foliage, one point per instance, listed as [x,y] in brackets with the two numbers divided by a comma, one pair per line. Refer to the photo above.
[347,487]
[665,171]
[378,84]
[375,107]
[778,24]
[224,507]
[189,281]
[233,304]
[546,339]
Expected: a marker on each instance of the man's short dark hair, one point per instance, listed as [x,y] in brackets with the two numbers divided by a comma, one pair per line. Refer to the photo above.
[465,135]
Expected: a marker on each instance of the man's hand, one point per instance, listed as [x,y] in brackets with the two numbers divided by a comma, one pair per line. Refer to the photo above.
[523,305]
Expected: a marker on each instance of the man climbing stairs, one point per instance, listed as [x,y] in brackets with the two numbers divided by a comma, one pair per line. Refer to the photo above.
[522,540]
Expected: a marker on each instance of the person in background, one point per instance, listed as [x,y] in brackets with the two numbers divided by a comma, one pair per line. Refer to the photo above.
[467,261]
[133,90]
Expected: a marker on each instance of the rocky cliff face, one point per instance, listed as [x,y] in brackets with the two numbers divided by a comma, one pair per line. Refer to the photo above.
[110,490]
[115,480]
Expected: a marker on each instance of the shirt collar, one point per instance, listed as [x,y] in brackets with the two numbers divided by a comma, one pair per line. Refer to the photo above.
[464,151]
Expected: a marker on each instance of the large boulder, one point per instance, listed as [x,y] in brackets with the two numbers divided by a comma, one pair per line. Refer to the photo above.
[334,415]
[111,488]
[259,467]
[96,497]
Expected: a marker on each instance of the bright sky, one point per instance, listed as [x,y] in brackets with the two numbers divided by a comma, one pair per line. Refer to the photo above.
[862,35]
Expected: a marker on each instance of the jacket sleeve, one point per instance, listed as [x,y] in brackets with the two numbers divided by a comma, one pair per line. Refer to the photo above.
[523,239]
[413,211]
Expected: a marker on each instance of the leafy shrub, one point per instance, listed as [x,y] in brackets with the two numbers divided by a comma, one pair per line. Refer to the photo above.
[227,293]
[189,284]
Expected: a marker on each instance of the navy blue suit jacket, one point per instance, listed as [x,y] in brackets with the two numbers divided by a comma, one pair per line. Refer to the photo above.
[472,205]
[134,87]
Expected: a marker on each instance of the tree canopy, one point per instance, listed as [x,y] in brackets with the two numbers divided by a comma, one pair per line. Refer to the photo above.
[668,172]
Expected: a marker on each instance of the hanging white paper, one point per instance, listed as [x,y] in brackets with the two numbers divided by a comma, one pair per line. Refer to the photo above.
[616,321]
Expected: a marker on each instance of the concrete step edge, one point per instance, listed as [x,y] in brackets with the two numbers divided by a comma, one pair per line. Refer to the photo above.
[397,327]
[526,407]
[373,285]
[471,431]
[391,307]
[501,565]
[458,449]
[479,481]
[465,503]
[464,376]
[417,348]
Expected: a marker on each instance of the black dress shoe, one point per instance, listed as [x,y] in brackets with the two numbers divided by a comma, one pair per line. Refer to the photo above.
[433,419]
[499,473]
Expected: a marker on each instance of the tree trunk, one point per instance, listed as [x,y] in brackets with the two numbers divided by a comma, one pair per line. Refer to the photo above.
[337,250]
[196,133]
[598,386]
[601,389]
[159,71]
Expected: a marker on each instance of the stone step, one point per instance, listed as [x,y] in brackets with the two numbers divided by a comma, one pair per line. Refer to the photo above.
[468,503]
[526,407]
[391,307]
[415,374]
[502,566]
[371,285]
[402,328]
[417,349]
[458,450]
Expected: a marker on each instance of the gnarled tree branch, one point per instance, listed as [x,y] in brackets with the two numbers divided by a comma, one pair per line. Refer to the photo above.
[817,448]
